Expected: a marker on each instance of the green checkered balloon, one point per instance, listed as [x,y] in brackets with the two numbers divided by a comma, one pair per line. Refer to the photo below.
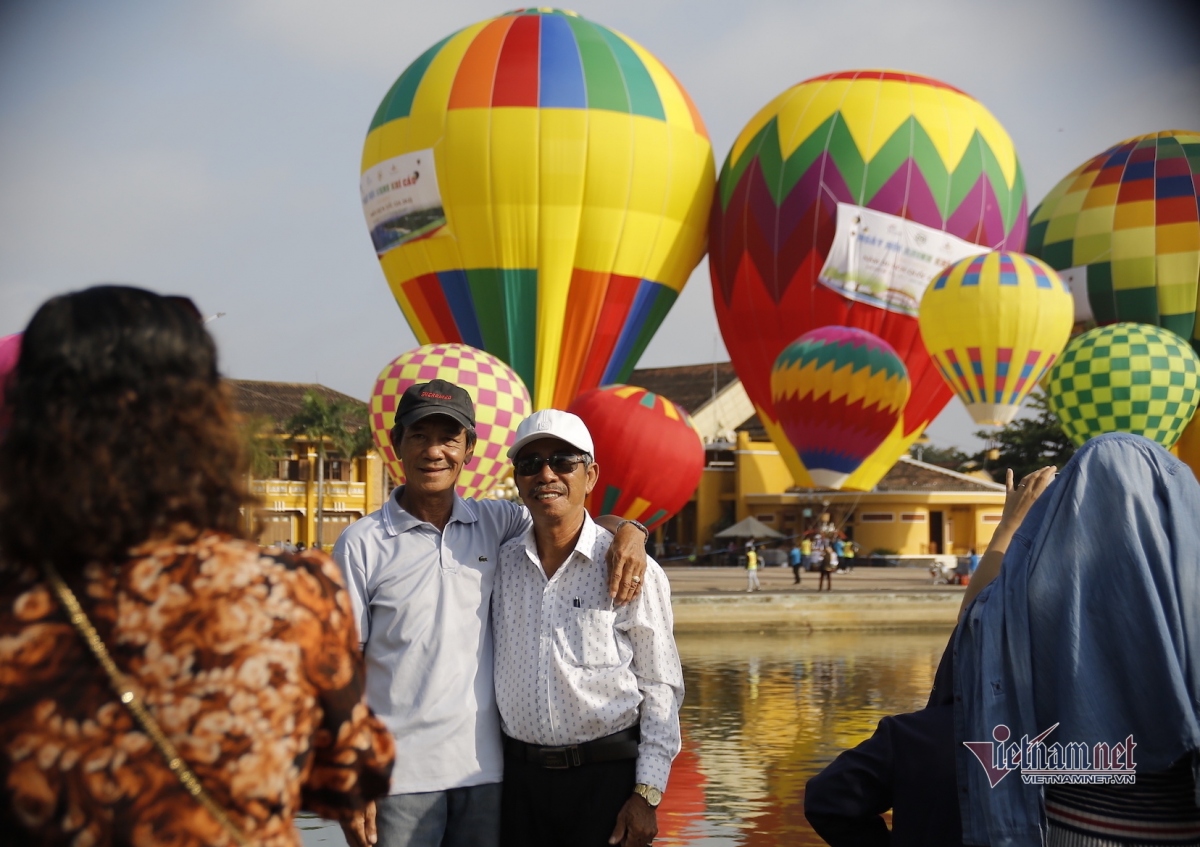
[1125,377]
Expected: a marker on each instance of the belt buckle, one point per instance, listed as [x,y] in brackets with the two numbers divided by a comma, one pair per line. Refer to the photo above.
[560,758]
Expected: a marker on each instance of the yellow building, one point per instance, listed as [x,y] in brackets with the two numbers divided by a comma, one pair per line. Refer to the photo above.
[288,495]
[916,509]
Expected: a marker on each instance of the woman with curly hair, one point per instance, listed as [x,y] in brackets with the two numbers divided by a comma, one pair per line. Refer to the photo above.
[162,679]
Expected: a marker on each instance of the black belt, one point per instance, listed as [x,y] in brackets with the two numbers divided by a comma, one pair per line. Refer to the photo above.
[610,748]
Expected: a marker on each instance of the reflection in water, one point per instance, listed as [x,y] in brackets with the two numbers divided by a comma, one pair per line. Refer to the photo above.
[763,713]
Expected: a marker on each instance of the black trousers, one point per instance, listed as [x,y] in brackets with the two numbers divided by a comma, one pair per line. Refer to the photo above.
[576,807]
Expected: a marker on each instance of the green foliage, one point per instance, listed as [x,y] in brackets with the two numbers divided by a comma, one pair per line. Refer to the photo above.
[262,450]
[950,458]
[1027,444]
[345,424]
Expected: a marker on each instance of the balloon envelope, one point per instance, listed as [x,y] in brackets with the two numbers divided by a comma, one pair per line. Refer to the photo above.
[839,393]
[501,403]
[537,186]
[1126,224]
[1125,378]
[651,457]
[897,143]
[994,324]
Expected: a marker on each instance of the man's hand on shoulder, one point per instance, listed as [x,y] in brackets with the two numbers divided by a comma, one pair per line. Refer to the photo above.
[637,823]
[626,558]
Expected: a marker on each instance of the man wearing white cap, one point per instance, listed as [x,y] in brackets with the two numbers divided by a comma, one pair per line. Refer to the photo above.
[589,693]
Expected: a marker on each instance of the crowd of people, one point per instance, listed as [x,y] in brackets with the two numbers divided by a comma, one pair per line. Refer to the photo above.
[480,673]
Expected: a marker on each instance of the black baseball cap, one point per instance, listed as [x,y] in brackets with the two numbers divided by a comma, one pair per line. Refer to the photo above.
[437,397]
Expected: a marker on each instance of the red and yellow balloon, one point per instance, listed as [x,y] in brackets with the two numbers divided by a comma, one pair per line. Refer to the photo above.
[892,142]
[651,457]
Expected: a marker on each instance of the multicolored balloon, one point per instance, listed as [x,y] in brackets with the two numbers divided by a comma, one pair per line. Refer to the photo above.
[893,142]
[537,185]
[993,324]
[839,393]
[1126,224]
[1125,377]
[501,403]
[651,457]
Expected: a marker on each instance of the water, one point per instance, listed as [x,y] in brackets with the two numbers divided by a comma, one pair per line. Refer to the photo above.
[763,713]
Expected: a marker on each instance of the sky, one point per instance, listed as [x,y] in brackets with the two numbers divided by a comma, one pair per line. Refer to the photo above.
[212,149]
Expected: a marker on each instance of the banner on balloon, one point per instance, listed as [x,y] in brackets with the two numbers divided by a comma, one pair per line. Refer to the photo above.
[401,200]
[888,261]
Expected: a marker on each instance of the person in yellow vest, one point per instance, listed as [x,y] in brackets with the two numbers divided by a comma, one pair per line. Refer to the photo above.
[752,569]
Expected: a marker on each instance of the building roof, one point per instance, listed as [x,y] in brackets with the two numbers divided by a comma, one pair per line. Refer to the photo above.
[278,401]
[689,386]
[910,476]
[692,386]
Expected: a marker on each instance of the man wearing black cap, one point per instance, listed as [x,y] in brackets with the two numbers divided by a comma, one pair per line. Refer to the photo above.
[420,573]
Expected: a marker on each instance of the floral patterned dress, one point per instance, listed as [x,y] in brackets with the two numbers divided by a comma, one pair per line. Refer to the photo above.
[249,661]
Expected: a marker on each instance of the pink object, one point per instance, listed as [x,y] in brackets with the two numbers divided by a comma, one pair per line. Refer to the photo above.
[10,349]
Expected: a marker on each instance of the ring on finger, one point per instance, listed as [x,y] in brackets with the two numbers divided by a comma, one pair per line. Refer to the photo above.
[635,579]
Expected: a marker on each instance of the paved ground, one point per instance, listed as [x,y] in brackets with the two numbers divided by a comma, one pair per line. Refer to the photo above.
[685,580]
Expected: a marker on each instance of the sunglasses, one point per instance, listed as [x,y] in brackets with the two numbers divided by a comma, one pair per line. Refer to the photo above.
[561,463]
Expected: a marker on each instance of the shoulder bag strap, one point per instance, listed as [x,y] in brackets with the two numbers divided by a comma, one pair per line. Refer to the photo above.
[127,694]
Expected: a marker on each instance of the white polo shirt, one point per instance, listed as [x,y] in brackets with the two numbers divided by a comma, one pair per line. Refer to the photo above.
[422,601]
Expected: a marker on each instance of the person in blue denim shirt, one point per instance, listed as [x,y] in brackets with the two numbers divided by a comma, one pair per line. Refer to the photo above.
[1092,626]
[908,764]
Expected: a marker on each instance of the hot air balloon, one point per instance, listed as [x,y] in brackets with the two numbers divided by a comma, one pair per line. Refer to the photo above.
[1125,377]
[501,403]
[651,457]
[839,392]
[1124,227]
[537,185]
[897,143]
[993,325]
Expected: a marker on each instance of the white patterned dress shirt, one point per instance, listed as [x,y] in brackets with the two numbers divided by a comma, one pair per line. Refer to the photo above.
[572,667]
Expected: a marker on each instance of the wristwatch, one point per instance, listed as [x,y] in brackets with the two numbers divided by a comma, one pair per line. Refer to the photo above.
[649,793]
[645,531]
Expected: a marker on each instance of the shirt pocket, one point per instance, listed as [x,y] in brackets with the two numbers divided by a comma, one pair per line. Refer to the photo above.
[588,638]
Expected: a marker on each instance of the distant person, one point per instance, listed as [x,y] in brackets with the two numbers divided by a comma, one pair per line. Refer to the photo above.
[829,566]
[973,561]
[152,647]
[795,560]
[839,549]
[752,569]
[300,547]
[589,693]
[817,556]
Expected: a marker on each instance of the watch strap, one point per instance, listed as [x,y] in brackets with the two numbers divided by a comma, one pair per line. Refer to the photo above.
[638,524]
[649,793]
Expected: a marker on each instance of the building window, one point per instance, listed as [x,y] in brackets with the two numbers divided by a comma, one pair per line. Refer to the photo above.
[877,517]
[767,518]
[912,517]
[990,518]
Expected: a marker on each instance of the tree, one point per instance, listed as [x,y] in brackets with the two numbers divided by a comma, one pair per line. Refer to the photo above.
[1027,444]
[320,420]
[950,458]
[261,450]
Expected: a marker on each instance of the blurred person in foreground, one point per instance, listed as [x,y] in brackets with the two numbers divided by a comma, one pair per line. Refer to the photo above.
[908,764]
[589,693]
[420,572]
[122,478]
[1090,630]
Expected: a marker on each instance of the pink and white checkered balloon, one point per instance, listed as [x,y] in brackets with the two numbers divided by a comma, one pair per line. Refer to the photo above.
[501,403]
